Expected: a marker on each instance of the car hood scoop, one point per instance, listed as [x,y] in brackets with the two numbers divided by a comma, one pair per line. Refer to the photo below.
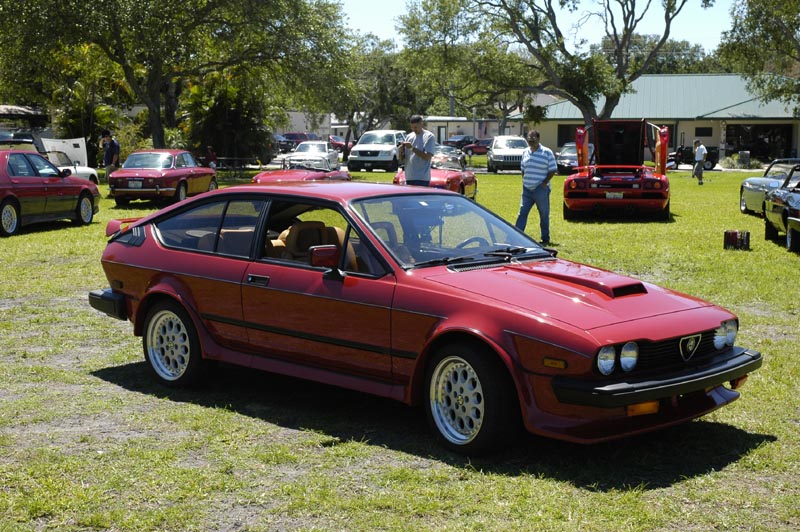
[569,292]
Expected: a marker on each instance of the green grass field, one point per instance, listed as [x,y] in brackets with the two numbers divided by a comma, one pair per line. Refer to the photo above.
[88,441]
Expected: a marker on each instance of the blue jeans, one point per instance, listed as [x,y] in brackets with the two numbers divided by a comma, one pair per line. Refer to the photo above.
[541,198]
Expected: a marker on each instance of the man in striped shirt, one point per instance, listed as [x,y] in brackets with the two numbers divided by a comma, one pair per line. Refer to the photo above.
[538,168]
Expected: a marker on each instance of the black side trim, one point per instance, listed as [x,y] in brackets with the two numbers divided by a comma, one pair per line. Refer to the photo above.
[313,337]
[610,394]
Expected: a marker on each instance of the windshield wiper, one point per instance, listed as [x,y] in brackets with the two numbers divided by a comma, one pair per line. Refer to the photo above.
[507,253]
[444,260]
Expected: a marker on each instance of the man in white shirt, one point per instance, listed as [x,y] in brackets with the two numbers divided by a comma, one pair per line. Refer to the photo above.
[700,154]
[417,152]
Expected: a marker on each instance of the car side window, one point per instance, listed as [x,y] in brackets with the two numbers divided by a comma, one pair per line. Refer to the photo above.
[295,228]
[43,167]
[18,166]
[225,227]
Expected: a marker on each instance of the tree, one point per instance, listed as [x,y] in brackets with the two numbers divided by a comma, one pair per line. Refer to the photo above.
[579,76]
[158,47]
[674,57]
[764,45]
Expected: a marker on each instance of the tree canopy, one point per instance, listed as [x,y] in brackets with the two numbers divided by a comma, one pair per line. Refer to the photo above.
[764,45]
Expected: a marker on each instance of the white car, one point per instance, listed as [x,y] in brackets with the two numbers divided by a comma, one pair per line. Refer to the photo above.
[376,149]
[316,147]
[63,162]
[505,153]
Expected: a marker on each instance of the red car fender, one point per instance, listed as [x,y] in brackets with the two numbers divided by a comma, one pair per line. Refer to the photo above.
[447,333]
[165,289]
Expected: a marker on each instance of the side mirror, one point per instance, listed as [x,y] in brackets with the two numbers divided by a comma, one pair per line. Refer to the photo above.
[66,172]
[324,256]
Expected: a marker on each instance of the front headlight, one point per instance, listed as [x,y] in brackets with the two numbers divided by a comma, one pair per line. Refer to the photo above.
[629,356]
[725,335]
[606,360]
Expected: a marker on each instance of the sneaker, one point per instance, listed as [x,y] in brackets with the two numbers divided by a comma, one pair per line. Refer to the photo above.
[700,183]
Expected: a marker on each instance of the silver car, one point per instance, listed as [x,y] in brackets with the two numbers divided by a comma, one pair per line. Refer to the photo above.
[754,189]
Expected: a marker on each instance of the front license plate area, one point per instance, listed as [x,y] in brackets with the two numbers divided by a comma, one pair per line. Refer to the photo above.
[135,184]
[613,195]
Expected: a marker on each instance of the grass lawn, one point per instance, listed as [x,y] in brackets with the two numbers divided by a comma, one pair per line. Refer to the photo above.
[88,441]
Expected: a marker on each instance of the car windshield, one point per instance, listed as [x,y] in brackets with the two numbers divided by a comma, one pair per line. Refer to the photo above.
[377,138]
[307,163]
[422,230]
[779,171]
[311,147]
[513,144]
[59,158]
[148,160]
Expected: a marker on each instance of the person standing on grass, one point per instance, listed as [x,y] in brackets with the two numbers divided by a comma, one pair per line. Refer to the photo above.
[110,149]
[417,152]
[538,167]
[700,154]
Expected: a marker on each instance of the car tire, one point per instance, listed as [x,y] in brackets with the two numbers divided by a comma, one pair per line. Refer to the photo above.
[180,193]
[122,202]
[664,214]
[470,402]
[212,185]
[84,212]
[171,346]
[709,165]
[743,204]
[770,233]
[9,218]
[569,214]
[394,165]
[792,239]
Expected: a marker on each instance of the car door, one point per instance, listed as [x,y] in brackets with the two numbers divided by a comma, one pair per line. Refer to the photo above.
[29,188]
[197,177]
[61,194]
[315,316]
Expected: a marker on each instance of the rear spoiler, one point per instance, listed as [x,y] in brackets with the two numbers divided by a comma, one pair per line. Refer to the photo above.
[117,225]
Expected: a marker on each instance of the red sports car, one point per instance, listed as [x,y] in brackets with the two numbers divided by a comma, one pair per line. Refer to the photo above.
[480,147]
[33,190]
[307,168]
[423,296]
[160,174]
[447,174]
[618,179]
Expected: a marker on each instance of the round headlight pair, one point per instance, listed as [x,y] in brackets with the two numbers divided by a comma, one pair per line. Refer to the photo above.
[725,335]
[607,358]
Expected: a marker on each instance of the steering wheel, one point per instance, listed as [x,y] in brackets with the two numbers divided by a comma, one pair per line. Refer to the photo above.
[473,240]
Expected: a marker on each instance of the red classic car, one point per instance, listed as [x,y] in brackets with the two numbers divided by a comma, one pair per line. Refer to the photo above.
[306,168]
[618,179]
[419,295]
[160,174]
[447,173]
[33,190]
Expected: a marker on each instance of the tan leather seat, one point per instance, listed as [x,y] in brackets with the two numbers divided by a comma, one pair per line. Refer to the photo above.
[335,236]
[301,236]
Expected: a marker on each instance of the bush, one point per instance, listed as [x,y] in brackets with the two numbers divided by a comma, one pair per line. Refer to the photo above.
[732,162]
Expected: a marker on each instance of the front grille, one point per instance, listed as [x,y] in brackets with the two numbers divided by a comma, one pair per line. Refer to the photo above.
[667,354]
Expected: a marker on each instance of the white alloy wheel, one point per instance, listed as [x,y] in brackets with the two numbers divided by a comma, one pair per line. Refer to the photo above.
[456,400]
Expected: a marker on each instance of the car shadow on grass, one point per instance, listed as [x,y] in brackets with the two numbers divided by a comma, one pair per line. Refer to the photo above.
[649,461]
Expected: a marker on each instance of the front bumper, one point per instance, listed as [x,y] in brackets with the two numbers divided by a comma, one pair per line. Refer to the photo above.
[619,393]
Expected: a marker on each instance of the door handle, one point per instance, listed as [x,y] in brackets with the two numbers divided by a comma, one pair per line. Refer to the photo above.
[258,280]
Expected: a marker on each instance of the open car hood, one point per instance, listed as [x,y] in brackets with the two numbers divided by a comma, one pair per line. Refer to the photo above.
[619,142]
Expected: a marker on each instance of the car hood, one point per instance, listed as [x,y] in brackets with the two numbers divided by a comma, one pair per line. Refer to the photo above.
[575,294]
[765,182]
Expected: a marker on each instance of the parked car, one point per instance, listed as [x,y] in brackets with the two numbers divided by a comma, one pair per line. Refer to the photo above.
[33,190]
[308,168]
[567,158]
[161,175]
[296,138]
[448,174]
[459,141]
[63,162]
[316,147]
[449,154]
[505,153]
[419,295]
[479,147]
[618,180]
[339,143]
[782,210]
[754,189]
[685,155]
[284,145]
[376,149]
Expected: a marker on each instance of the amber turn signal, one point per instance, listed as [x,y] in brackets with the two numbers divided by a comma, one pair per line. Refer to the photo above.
[640,409]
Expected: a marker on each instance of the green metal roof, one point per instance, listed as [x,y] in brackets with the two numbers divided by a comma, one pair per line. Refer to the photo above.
[685,97]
